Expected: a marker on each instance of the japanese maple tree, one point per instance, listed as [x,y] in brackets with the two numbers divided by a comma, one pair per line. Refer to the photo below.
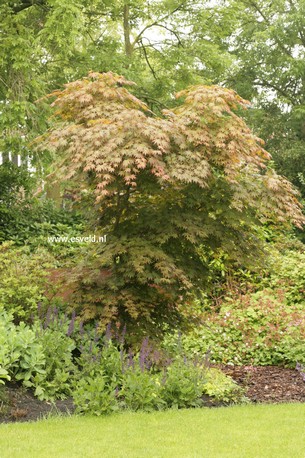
[165,190]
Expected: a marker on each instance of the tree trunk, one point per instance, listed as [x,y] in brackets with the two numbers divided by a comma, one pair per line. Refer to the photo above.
[128,45]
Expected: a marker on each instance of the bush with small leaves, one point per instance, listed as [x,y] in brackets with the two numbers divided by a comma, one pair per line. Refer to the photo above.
[195,177]
[24,280]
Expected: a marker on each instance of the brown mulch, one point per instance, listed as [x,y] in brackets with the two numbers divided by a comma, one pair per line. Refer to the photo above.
[264,384]
[269,384]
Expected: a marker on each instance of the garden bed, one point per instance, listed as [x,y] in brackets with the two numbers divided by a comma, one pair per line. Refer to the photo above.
[264,384]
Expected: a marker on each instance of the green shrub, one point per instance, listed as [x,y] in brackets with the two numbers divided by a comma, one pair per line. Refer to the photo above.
[222,388]
[15,185]
[24,279]
[56,381]
[93,395]
[26,220]
[21,353]
[183,384]
[288,274]
[259,329]
[40,358]
[141,391]
[5,329]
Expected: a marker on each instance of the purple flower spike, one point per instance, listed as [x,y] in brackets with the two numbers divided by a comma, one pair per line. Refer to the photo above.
[122,337]
[96,336]
[48,318]
[144,354]
[108,333]
[71,325]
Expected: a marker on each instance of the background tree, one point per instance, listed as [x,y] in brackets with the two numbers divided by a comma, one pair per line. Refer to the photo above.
[163,46]
[165,190]
[47,43]
[268,42]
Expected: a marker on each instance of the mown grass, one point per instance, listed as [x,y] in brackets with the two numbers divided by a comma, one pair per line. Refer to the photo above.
[263,431]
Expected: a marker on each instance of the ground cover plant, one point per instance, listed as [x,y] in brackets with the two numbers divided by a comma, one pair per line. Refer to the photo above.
[270,431]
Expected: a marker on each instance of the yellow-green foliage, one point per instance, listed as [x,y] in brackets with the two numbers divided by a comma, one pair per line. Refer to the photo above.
[24,279]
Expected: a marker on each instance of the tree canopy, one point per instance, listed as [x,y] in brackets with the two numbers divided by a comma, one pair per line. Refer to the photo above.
[46,43]
[164,46]
[166,189]
[268,44]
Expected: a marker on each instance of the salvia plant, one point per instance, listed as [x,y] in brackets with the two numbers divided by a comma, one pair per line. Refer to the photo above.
[98,369]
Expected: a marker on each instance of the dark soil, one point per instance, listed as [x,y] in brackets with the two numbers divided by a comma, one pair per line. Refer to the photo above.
[265,384]
[18,404]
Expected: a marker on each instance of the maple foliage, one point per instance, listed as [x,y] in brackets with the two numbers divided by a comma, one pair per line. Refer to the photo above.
[164,189]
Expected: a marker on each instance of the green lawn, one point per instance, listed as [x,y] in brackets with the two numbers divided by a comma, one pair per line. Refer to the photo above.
[243,431]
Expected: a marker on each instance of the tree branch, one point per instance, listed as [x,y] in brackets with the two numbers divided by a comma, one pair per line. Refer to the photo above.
[147,61]
[171,31]
[267,21]
[156,23]
[300,29]
[151,45]
[126,24]
[281,91]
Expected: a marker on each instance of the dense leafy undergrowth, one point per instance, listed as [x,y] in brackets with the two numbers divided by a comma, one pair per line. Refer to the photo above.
[29,220]
[259,329]
[57,359]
